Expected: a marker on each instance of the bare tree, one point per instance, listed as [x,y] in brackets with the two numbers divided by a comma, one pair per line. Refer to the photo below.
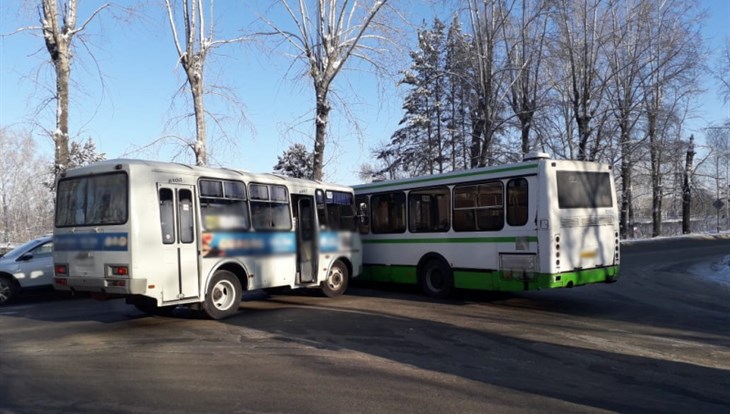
[60,28]
[674,45]
[327,35]
[25,202]
[525,41]
[723,72]
[583,31]
[196,43]
[488,18]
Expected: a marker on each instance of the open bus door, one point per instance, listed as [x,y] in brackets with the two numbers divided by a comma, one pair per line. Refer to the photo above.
[178,253]
[306,239]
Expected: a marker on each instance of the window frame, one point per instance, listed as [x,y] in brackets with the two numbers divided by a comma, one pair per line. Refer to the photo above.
[477,208]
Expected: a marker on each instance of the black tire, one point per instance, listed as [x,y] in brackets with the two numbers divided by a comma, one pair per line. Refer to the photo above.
[337,280]
[223,296]
[9,289]
[436,279]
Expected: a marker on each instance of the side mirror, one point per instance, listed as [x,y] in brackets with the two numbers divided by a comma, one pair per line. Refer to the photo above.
[26,257]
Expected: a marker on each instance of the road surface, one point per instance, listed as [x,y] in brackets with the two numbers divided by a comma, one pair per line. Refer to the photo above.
[656,341]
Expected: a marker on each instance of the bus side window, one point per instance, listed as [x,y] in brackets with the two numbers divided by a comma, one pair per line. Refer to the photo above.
[363,212]
[321,208]
[185,215]
[167,222]
[517,197]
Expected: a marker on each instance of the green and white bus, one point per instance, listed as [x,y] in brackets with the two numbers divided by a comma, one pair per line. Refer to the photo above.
[538,224]
[164,235]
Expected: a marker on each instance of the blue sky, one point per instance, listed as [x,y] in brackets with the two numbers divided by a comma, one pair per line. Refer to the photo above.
[138,61]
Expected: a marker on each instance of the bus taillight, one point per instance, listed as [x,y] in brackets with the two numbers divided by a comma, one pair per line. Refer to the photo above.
[61,270]
[120,271]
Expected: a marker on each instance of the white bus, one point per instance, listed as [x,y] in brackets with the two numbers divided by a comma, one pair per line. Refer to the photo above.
[539,224]
[165,234]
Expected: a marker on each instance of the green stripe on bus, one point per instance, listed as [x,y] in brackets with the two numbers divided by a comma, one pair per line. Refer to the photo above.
[442,178]
[451,240]
[494,280]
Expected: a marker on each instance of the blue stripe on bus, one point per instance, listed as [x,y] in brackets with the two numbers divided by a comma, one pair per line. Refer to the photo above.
[107,242]
[243,244]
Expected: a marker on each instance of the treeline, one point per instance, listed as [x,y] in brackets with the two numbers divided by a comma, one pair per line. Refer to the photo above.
[603,80]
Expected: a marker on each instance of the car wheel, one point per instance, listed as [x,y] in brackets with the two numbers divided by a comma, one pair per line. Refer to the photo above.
[9,289]
[223,296]
[336,282]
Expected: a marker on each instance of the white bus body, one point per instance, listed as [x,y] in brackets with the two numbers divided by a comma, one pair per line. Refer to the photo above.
[165,234]
[538,224]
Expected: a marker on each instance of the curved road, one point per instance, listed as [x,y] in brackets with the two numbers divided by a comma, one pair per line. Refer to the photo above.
[656,341]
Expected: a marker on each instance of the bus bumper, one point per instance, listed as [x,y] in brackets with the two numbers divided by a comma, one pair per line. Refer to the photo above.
[112,286]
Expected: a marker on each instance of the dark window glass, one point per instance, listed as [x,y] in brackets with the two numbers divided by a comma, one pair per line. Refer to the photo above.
[584,189]
[210,188]
[321,207]
[429,210]
[186,216]
[479,207]
[340,211]
[227,209]
[167,219]
[517,197]
[363,212]
[270,214]
[388,213]
[259,191]
[92,201]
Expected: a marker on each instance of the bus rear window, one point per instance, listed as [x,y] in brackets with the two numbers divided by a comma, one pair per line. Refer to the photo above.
[578,189]
[92,201]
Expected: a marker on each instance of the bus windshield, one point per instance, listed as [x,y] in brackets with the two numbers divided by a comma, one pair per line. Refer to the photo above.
[578,189]
[92,200]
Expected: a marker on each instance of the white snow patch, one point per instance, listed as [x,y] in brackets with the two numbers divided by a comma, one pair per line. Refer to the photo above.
[718,271]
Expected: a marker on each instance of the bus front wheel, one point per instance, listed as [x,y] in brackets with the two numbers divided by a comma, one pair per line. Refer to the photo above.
[336,282]
[436,279]
[223,296]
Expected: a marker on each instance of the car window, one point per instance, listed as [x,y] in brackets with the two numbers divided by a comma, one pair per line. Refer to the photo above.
[20,250]
[44,250]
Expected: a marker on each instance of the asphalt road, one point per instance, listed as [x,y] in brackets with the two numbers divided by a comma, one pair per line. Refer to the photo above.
[656,341]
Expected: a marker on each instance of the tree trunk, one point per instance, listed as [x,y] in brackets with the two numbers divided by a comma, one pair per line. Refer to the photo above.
[322,117]
[62,63]
[626,222]
[656,191]
[687,189]
[199,148]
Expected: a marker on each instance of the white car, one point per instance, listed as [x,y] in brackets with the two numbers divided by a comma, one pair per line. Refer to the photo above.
[27,266]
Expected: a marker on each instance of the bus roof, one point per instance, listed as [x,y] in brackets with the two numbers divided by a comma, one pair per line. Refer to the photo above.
[528,167]
[180,168]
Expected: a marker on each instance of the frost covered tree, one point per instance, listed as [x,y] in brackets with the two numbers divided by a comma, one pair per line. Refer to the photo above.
[326,35]
[420,143]
[295,162]
[85,153]
[26,205]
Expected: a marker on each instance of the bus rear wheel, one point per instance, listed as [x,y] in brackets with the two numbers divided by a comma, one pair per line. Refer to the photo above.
[336,282]
[223,296]
[437,280]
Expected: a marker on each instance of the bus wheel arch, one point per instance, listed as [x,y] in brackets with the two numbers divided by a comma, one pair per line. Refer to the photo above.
[435,276]
[338,278]
[223,295]
[9,288]
[238,270]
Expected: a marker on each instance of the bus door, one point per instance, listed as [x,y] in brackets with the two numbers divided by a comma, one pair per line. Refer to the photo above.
[178,254]
[306,239]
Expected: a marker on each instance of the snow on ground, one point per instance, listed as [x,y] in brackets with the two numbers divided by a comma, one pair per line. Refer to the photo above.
[718,271]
